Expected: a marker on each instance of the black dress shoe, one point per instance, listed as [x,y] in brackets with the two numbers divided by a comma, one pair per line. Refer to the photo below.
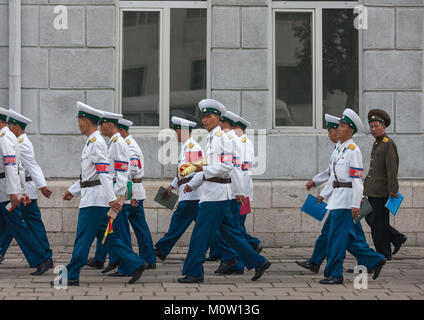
[226,265]
[309,265]
[259,271]
[1,258]
[70,283]
[119,274]
[152,266]
[137,273]
[399,244]
[93,263]
[239,271]
[110,267]
[377,268]
[160,254]
[332,280]
[258,248]
[43,267]
[212,258]
[190,279]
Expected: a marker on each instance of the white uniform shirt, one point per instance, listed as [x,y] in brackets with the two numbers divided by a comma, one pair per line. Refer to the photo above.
[190,151]
[94,166]
[32,169]
[324,175]
[219,158]
[14,182]
[119,159]
[237,183]
[346,162]
[136,168]
[247,157]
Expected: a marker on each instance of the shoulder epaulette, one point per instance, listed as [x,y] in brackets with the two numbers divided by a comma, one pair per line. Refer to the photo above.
[93,139]
[351,147]
[218,133]
[2,134]
[21,140]
[190,145]
[114,139]
[244,140]
[385,139]
[128,141]
[230,137]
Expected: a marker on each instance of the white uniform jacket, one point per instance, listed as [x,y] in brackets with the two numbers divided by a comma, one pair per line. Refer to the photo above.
[346,164]
[247,157]
[190,151]
[119,158]
[219,156]
[10,165]
[324,175]
[32,169]
[94,166]
[136,169]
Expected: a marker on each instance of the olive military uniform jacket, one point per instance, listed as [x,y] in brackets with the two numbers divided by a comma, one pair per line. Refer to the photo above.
[382,175]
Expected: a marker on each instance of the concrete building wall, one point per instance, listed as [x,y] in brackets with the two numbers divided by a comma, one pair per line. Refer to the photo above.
[61,67]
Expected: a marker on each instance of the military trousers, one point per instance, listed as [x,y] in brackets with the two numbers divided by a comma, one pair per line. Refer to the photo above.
[92,222]
[32,217]
[14,223]
[341,237]
[214,216]
[182,217]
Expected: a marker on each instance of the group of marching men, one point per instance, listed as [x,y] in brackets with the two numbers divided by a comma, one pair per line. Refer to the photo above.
[110,185]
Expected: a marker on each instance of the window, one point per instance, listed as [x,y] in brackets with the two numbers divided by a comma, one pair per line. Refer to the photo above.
[163,62]
[315,63]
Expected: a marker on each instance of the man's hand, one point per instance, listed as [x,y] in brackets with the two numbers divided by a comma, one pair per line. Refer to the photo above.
[170,188]
[310,184]
[134,203]
[116,206]
[26,200]
[14,199]
[241,199]
[394,195]
[46,192]
[67,196]
[320,199]
[187,188]
[355,213]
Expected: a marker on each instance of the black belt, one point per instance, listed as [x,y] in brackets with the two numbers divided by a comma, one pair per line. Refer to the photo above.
[337,184]
[27,179]
[139,180]
[2,175]
[218,180]
[183,181]
[88,184]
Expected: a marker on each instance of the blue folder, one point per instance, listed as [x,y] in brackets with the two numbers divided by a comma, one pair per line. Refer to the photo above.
[393,204]
[313,208]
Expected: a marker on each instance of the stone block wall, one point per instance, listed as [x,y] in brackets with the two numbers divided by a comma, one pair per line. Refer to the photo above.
[276,219]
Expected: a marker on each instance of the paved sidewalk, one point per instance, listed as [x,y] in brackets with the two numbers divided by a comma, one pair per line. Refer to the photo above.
[401,278]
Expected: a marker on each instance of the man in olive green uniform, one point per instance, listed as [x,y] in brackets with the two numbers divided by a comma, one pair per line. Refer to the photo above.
[382,183]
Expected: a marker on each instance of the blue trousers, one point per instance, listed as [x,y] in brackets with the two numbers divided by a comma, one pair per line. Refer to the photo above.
[92,222]
[342,237]
[253,241]
[32,217]
[181,219]
[14,223]
[122,229]
[214,216]
[138,222]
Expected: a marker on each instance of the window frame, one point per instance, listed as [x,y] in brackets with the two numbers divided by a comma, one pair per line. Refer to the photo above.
[164,9]
[316,9]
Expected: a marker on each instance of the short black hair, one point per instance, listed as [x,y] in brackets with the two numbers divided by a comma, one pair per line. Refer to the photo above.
[93,121]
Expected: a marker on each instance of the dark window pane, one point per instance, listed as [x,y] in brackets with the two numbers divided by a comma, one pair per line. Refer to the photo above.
[340,61]
[293,60]
[140,69]
[188,63]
